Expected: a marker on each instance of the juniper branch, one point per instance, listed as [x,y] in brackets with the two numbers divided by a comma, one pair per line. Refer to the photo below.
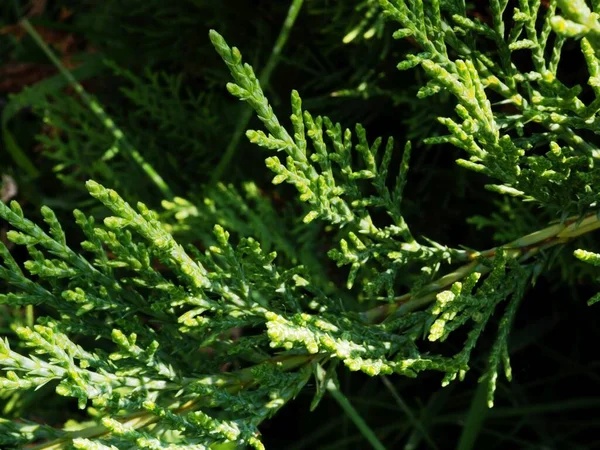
[173,358]
[264,76]
[520,249]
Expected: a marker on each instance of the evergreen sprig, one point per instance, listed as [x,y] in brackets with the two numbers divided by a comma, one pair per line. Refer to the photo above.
[554,165]
[173,346]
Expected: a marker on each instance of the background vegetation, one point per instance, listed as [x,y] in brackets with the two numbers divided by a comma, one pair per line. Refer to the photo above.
[153,70]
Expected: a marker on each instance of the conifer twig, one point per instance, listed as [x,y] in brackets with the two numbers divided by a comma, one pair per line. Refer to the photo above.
[239,380]
[264,77]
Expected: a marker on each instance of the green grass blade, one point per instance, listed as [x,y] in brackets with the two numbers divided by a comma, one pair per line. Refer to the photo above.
[50,85]
[415,422]
[475,417]
[353,414]
[97,109]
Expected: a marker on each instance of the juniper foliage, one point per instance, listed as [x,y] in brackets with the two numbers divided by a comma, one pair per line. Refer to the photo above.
[172,346]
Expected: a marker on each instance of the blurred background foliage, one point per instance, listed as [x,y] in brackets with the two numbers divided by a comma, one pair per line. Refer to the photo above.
[150,65]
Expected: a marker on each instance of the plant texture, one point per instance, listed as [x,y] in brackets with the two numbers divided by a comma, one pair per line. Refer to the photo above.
[190,326]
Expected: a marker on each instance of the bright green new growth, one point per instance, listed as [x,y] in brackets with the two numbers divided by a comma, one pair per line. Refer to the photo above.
[205,344]
[553,166]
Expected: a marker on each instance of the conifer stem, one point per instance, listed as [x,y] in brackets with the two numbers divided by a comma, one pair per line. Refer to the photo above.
[238,381]
[522,248]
